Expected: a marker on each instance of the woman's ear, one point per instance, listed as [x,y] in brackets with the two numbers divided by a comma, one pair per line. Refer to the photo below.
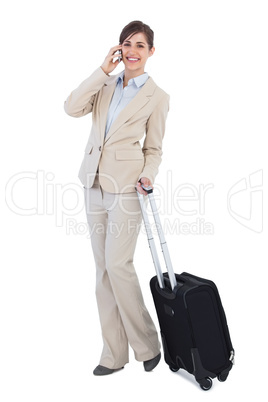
[151,51]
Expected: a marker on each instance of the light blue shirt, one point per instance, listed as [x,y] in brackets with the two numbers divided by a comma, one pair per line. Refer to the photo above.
[122,96]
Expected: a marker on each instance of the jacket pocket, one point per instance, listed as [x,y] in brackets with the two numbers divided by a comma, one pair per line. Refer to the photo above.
[123,155]
[89,148]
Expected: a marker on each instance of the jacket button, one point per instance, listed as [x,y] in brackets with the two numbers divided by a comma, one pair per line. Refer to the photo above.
[99,148]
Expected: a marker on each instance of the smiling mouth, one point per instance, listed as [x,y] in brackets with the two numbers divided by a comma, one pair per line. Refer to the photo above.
[132,59]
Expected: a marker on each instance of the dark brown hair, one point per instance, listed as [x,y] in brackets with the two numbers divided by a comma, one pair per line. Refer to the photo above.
[135,27]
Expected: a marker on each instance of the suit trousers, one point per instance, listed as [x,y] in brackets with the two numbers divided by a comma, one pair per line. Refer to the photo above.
[114,222]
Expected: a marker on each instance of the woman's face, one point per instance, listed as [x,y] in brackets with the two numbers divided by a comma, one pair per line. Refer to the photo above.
[135,52]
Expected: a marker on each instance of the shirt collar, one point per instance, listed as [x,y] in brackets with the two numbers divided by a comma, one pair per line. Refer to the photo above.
[139,81]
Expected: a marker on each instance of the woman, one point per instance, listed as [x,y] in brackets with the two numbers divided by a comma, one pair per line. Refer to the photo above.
[124,107]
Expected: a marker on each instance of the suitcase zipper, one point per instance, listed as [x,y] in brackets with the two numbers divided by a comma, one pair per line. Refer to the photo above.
[232,357]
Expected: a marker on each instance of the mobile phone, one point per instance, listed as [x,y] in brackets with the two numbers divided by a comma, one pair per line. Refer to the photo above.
[120,55]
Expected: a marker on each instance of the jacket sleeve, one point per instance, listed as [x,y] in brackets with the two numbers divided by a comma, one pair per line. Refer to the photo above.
[80,101]
[152,147]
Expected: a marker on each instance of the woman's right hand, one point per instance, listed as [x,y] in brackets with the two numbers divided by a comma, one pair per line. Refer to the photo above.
[109,65]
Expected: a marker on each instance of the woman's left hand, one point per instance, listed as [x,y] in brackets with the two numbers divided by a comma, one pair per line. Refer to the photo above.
[146,182]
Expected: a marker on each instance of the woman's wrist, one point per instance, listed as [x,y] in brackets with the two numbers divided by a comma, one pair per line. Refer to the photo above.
[104,70]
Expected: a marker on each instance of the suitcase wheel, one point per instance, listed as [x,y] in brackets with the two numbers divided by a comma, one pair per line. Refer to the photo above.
[222,377]
[206,383]
[174,369]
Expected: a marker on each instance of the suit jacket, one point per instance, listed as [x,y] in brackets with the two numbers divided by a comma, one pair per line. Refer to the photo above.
[120,158]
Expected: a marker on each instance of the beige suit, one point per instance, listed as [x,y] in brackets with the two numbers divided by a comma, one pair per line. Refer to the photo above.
[120,158]
[113,210]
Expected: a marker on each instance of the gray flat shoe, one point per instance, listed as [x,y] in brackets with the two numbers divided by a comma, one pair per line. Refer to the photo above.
[101,370]
[149,365]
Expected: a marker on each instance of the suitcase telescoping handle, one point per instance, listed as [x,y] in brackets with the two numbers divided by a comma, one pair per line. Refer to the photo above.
[161,236]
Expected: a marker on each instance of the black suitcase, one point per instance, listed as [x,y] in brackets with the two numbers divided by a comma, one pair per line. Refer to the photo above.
[192,321]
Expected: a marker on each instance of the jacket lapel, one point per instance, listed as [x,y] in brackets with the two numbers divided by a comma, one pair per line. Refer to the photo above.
[107,94]
[139,101]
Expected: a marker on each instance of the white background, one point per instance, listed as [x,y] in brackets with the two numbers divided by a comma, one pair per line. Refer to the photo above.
[211,57]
